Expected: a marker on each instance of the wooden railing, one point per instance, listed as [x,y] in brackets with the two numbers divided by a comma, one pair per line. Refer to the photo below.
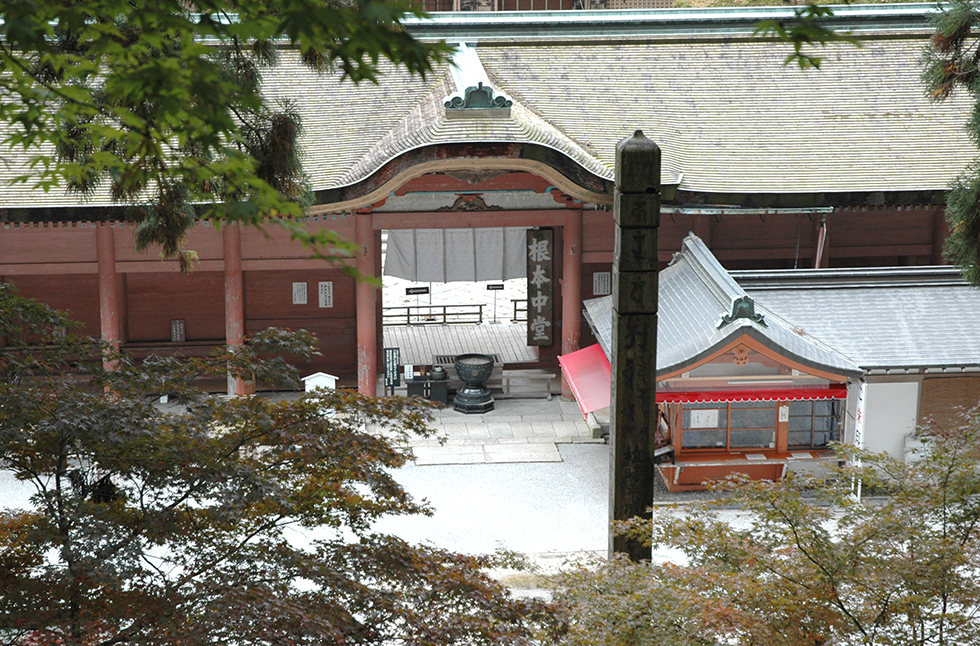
[433,315]
[520,310]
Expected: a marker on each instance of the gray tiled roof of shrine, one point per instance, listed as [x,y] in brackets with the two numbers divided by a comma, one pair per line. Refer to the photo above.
[892,319]
[695,294]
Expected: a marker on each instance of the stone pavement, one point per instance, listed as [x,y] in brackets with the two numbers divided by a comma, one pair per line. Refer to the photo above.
[517,430]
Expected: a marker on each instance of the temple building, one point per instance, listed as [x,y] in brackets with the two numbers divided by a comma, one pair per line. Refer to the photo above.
[760,372]
[772,167]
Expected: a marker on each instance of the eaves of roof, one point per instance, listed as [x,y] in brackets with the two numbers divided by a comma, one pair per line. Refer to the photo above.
[685,23]
[549,163]
[430,136]
[849,278]
[428,125]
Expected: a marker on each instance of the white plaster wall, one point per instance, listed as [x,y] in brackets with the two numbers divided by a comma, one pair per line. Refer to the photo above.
[890,414]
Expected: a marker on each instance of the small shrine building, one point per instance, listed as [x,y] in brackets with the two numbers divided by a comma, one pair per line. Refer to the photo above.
[741,389]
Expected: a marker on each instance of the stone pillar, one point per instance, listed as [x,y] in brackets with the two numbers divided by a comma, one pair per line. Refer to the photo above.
[367,308]
[109,310]
[571,290]
[231,238]
[634,327]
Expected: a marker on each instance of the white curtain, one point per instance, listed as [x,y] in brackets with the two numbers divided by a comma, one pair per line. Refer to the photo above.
[448,255]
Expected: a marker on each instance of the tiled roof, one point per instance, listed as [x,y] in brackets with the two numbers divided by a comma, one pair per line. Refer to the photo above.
[426,124]
[343,122]
[914,324]
[728,115]
[598,312]
[879,319]
[732,117]
[349,131]
[695,292]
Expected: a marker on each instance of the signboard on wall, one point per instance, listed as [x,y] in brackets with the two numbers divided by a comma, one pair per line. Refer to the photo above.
[602,283]
[299,293]
[392,359]
[325,291]
[540,287]
[178,331]
[704,418]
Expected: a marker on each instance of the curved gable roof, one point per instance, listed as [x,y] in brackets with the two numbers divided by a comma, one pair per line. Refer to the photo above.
[696,296]
[426,124]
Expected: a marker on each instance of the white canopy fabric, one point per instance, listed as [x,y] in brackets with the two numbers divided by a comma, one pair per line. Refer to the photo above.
[449,255]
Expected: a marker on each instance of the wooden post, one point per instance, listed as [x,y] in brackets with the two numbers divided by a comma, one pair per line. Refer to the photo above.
[367,309]
[822,252]
[231,238]
[940,231]
[571,290]
[634,328]
[105,244]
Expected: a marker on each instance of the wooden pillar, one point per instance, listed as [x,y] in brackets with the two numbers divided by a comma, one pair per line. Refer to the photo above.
[231,238]
[635,297]
[109,309]
[782,426]
[571,290]
[367,308]
[122,304]
[822,251]
[940,231]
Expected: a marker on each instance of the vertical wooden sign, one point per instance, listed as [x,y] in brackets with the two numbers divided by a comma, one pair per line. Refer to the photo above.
[633,415]
[540,287]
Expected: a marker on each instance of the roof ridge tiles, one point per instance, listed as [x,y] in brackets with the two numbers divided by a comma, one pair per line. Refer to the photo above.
[712,274]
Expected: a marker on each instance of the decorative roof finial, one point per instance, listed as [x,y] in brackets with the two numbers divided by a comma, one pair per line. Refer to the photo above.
[743,308]
[479,97]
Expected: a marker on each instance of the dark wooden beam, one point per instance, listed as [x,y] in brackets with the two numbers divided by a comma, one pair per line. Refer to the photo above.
[634,366]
